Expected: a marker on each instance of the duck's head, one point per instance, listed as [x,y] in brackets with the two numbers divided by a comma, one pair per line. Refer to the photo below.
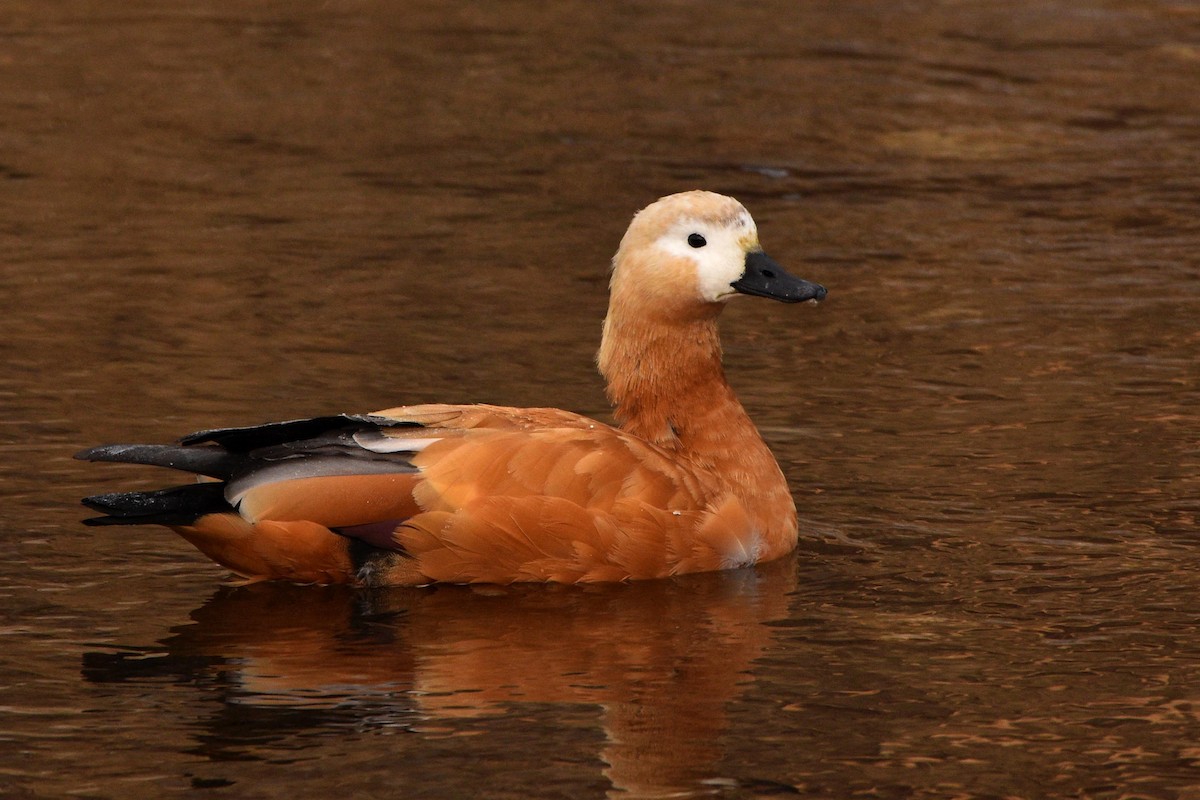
[698,249]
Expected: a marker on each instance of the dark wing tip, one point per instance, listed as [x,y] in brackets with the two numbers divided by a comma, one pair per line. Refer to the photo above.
[254,437]
[100,453]
[97,522]
[178,505]
[210,461]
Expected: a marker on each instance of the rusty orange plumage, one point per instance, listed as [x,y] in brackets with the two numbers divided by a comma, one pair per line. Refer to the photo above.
[480,493]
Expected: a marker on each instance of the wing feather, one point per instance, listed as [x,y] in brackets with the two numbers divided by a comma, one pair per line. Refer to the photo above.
[333,501]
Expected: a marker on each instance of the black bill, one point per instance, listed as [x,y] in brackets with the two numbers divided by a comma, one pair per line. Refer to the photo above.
[764,278]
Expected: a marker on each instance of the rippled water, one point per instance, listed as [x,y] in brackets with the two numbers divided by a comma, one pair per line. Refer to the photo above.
[226,213]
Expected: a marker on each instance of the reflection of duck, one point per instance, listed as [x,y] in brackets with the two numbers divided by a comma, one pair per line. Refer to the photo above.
[662,660]
[460,494]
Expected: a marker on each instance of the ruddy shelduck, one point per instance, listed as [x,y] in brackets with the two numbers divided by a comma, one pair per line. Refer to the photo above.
[488,494]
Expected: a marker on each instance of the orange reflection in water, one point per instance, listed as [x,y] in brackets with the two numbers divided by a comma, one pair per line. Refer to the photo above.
[661,659]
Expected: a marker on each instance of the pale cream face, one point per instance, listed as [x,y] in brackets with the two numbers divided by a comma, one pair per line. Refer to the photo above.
[715,249]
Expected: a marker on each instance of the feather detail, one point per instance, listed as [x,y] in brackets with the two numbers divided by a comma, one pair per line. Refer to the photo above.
[299,550]
[334,501]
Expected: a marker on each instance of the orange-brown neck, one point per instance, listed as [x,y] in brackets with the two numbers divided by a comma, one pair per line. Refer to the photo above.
[667,386]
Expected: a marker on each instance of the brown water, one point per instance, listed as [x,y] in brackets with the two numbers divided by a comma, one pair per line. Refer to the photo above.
[226,213]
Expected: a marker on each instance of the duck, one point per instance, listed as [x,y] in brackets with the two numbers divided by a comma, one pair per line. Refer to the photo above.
[682,482]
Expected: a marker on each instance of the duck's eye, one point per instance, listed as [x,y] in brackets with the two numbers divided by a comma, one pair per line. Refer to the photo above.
[696,240]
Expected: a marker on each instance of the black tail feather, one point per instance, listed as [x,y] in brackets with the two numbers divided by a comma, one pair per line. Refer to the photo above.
[243,440]
[210,461]
[178,505]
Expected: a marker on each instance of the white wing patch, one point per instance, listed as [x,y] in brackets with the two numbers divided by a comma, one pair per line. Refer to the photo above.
[376,442]
[322,465]
[292,469]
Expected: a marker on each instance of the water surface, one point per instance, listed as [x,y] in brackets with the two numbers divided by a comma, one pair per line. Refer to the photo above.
[233,212]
